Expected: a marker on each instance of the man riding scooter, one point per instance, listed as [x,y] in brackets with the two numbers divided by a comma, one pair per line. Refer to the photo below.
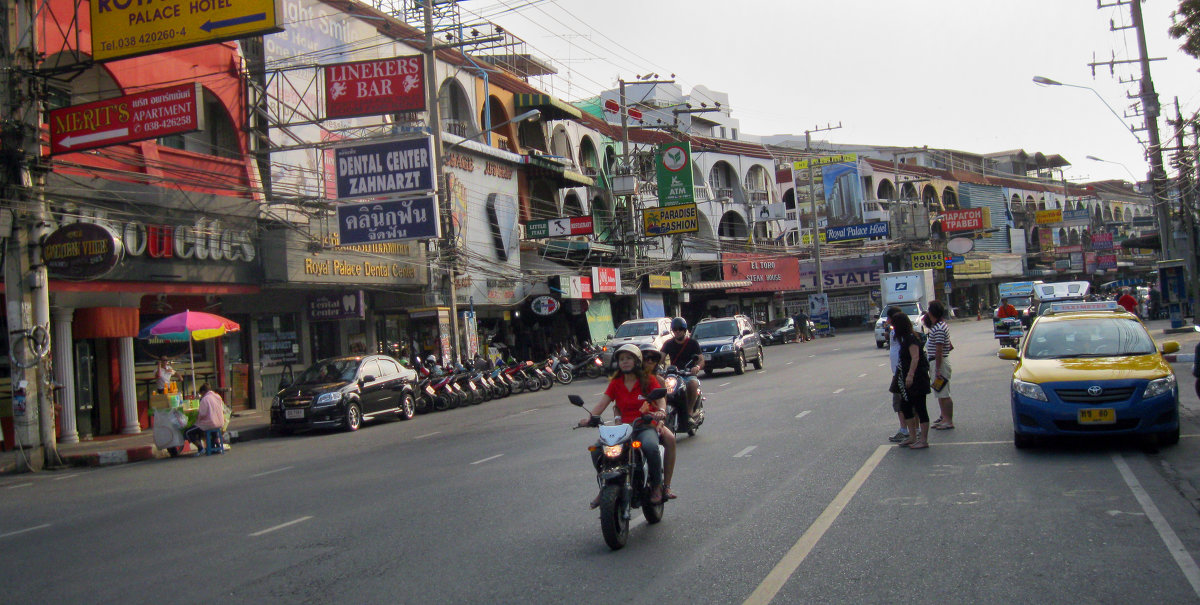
[682,350]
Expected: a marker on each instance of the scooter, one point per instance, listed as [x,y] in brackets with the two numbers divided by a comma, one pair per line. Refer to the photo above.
[623,477]
[676,386]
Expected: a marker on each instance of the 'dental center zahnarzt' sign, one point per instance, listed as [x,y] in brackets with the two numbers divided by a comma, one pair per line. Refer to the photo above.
[383,169]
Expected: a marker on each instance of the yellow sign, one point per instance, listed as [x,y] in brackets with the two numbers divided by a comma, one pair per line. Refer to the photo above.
[806,239]
[660,282]
[1049,217]
[928,260]
[976,267]
[825,160]
[125,28]
[668,220]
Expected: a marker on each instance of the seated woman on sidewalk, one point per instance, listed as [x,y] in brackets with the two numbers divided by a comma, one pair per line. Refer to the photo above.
[212,417]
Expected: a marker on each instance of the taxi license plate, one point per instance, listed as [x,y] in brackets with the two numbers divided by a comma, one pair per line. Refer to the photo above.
[708,357]
[293,414]
[1097,416]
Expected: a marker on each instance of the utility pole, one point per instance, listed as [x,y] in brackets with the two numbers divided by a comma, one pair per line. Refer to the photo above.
[22,180]
[1187,197]
[1151,109]
[812,199]
[449,244]
[631,199]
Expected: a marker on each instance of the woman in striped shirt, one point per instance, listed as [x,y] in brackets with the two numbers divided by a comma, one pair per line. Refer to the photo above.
[937,350]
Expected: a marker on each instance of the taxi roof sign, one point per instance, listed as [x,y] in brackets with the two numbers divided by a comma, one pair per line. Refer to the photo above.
[1100,305]
[1061,290]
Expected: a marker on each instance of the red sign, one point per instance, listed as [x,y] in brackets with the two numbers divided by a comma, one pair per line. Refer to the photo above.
[611,106]
[605,280]
[634,113]
[766,273]
[374,87]
[969,219]
[146,115]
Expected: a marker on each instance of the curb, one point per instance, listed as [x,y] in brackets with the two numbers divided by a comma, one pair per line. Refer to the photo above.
[1179,357]
[112,457]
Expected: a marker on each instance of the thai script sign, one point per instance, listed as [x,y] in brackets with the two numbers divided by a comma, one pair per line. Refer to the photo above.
[1076,218]
[675,175]
[387,221]
[146,115]
[671,219]
[1049,217]
[383,169]
[373,87]
[81,251]
[967,219]
[766,273]
[853,232]
[1106,261]
[1102,241]
[928,260]
[124,28]
[336,306]
[659,282]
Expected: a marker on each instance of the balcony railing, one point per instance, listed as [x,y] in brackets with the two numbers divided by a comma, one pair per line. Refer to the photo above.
[759,197]
[723,192]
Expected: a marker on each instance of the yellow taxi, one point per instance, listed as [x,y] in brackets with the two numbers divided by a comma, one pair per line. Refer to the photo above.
[1090,368]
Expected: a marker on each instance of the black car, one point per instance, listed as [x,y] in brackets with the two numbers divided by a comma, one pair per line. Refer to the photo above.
[778,331]
[343,392]
[728,342]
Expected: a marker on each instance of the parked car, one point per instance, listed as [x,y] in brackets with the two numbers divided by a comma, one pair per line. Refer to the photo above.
[779,331]
[729,342]
[654,331]
[344,392]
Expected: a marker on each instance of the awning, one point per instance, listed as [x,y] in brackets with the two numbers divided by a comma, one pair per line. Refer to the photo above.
[547,167]
[552,108]
[719,285]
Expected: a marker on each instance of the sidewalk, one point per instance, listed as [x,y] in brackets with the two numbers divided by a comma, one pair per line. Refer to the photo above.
[106,450]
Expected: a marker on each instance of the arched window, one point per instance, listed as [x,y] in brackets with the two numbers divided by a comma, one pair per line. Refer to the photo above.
[886,190]
[757,185]
[455,111]
[733,225]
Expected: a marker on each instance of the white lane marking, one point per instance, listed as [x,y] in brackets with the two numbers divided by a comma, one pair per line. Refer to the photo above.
[17,485]
[837,349]
[745,451]
[796,554]
[427,435]
[803,414]
[65,477]
[270,472]
[879,366]
[812,356]
[839,390]
[724,384]
[280,526]
[862,375]
[486,459]
[528,411]
[1178,551]
[26,530]
[790,363]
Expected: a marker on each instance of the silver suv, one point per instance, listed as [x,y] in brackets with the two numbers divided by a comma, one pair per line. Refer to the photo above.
[654,331]
[729,342]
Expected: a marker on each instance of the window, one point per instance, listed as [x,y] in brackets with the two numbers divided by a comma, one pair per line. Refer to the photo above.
[219,137]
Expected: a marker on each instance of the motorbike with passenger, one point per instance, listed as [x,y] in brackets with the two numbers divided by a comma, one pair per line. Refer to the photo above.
[675,381]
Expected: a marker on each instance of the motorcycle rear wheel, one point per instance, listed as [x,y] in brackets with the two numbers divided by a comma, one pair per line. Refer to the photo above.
[546,381]
[654,512]
[613,523]
[593,371]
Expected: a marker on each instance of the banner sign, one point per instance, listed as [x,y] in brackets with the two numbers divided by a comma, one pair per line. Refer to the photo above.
[770,212]
[559,227]
[669,220]
[387,221]
[123,28]
[860,231]
[606,280]
[927,260]
[767,273]
[1049,217]
[383,169]
[137,117]
[372,87]
[818,312]
[336,306]
[674,170]
[578,286]
[842,273]
[676,279]
[1076,218]
[1106,261]
[659,282]
[1102,241]
[967,219]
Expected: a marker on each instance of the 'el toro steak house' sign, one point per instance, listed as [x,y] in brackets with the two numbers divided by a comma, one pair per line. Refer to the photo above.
[766,273]
[374,87]
[146,115]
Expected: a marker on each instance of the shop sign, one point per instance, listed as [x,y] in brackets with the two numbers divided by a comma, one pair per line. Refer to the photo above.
[137,117]
[674,171]
[676,279]
[967,219]
[974,267]
[81,251]
[927,260]
[843,273]
[1102,241]
[336,306]
[365,88]
[766,273]
[670,220]
[544,305]
[389,221]
[1106,261]
[395,167]
[578,286]
[559,227]
[1068,249]
[605,280]
[1076,218]
[1049,217]
[853,232]
[123,28]
[659,282]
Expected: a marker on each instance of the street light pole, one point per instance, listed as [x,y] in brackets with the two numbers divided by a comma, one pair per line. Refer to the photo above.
[1131,175]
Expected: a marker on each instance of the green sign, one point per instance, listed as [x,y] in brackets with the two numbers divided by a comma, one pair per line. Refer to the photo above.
[676,280]
[537,229]
[675,174]
[599,319]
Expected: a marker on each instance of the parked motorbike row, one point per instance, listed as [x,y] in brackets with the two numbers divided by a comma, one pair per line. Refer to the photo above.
[443,388]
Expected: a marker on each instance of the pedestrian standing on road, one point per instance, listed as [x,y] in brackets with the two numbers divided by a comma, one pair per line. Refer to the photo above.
[894,362]
[937,349]
[911,382]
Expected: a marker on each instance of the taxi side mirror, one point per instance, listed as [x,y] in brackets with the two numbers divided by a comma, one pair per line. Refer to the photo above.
[1008,353]
[1170,347]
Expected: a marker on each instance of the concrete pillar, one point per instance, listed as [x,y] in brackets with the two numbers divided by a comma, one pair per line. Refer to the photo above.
[64,371]
[128,388]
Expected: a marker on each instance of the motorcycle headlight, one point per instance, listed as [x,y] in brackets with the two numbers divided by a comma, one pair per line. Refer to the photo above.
[1159,386]
[328,398]
[1029,389]
[728,347]
[612,451]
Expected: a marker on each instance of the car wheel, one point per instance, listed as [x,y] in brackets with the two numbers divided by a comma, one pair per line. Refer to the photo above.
[758,363]
[1022,441]
[353,417]
[740,368]
[407,408]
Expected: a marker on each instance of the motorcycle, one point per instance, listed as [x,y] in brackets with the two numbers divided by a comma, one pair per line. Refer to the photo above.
[521,371]
[674,379]
[586,362]
[623,478]
[561,368]
[1008,330]
[545,373]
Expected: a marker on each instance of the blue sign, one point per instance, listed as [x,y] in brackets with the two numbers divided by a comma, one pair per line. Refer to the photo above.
[860,231]
[390,221]
[385,169]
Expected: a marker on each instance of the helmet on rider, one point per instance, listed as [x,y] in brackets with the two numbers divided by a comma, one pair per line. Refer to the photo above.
[650,352]
[630,348]
[678,323]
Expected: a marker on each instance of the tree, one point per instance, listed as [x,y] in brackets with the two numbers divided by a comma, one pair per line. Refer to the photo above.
[1187,26]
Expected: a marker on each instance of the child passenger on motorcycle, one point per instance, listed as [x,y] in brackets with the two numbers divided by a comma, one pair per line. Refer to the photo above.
[626,388]
[651,357]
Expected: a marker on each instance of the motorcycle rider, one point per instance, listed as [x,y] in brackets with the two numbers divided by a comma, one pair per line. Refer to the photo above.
[651,358]
[628,384]
[1006,310]
[682,350]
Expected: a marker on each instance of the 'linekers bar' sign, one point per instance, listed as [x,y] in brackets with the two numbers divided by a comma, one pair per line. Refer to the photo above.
[137,117]
[373,87]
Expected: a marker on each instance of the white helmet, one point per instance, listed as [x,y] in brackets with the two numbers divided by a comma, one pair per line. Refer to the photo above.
[629,348]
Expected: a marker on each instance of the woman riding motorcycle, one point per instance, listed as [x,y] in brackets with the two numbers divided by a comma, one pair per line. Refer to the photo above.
[628,384]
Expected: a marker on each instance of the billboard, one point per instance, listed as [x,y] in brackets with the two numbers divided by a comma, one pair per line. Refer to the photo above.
[126,29]
[837,187]
[766,273]
[374,87]
[670,220]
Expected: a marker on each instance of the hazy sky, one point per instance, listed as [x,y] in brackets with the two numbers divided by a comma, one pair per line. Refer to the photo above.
[944,73]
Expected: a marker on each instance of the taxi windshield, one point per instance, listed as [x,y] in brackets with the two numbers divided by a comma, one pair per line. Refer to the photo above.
[1088,337]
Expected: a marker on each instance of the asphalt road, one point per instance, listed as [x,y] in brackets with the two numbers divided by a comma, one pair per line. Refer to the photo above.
[790,493]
